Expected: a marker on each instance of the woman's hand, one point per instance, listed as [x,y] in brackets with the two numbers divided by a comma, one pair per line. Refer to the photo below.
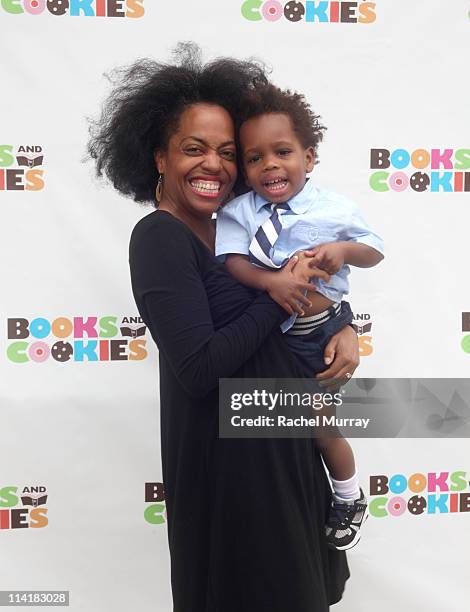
[287,285]
[286,289]
[342,352]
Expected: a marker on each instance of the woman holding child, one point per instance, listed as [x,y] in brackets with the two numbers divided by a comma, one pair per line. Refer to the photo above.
[246,517]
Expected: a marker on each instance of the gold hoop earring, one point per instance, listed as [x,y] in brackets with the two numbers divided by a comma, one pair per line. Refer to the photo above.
[159,189]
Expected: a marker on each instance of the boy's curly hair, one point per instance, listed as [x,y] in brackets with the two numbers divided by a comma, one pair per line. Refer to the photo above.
[145,105]
[268,98]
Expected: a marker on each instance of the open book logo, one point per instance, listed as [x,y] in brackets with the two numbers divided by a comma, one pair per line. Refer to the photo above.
[362,328]
[362,325]
[29,162]
[133,331]
[34,500]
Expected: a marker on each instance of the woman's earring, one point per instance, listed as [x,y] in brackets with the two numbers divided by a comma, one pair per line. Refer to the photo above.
[159,189]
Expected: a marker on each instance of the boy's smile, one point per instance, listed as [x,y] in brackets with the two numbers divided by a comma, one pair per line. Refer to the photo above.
[274,160]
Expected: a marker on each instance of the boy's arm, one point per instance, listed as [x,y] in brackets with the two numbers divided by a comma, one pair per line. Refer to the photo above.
[332,256]
[362,246]
[360,255]
[285,288]
[358,245]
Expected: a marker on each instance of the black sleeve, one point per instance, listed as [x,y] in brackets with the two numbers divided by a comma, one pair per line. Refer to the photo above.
[171,297]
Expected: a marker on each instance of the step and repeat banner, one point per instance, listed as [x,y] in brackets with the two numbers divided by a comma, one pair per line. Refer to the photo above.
[82,504]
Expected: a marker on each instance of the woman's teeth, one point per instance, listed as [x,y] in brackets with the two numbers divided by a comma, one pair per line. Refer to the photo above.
[212,187]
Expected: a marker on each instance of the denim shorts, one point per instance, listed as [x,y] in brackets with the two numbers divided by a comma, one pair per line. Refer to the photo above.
[310,348]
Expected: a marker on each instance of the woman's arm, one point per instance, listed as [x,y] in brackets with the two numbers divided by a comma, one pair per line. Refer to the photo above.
[170,294]
[283,286]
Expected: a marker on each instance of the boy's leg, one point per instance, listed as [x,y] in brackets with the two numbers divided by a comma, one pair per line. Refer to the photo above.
[348,510]
[349,506]
[339,459]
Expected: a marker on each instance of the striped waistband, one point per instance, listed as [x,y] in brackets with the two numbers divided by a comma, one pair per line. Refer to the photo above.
[306,325]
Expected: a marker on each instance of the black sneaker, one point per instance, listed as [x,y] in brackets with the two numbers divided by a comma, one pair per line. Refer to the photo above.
[343,529]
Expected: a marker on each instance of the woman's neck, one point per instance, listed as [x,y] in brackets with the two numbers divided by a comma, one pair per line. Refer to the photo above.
[202,226]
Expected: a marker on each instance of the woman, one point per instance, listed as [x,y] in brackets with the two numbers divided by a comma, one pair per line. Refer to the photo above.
[245,517]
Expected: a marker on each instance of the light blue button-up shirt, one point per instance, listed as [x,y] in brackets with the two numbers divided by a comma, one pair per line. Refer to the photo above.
[315,217]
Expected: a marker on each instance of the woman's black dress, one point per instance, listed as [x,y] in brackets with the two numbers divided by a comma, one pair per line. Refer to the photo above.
[245,516]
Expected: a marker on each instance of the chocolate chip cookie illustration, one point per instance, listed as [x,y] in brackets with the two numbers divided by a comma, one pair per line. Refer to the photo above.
[294,11]
[58,7]
[61,351]
[419,181]
[416,504]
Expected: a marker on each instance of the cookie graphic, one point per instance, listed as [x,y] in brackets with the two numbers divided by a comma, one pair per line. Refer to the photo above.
[39,352]
[294,11]
[58,7]
[419,181]
[416,504]
[62,351]
[399,181]
[272,10]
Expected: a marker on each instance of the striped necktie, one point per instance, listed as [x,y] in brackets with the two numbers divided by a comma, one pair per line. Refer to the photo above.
[265,238]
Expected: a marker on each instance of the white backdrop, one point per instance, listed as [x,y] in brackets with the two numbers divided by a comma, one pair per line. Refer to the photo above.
[87,430]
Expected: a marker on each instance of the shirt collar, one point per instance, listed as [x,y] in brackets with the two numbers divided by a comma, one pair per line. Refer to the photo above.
[299,204]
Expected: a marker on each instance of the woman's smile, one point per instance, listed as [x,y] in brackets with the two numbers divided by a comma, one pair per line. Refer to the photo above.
[206,187]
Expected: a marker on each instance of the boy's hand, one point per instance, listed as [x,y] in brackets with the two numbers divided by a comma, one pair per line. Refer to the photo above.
[329,257]
[306,269]
[285,287]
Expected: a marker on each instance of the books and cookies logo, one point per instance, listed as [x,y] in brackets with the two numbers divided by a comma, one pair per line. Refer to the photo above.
[75,8]
[23,507]
[362,324]
[309,11]
[155,510]
[420,170]
[76,339]
[21,167]
[419,494]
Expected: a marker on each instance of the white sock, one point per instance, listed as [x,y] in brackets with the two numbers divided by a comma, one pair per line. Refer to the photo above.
[347,489]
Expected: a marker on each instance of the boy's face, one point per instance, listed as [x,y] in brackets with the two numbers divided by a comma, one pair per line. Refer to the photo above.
[274,160]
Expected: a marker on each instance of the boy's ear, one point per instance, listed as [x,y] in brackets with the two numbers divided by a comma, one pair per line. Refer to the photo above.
[159,161]
[309,159]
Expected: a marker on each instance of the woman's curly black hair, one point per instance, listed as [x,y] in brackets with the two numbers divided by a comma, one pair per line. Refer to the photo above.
[145,105]
[267,98]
